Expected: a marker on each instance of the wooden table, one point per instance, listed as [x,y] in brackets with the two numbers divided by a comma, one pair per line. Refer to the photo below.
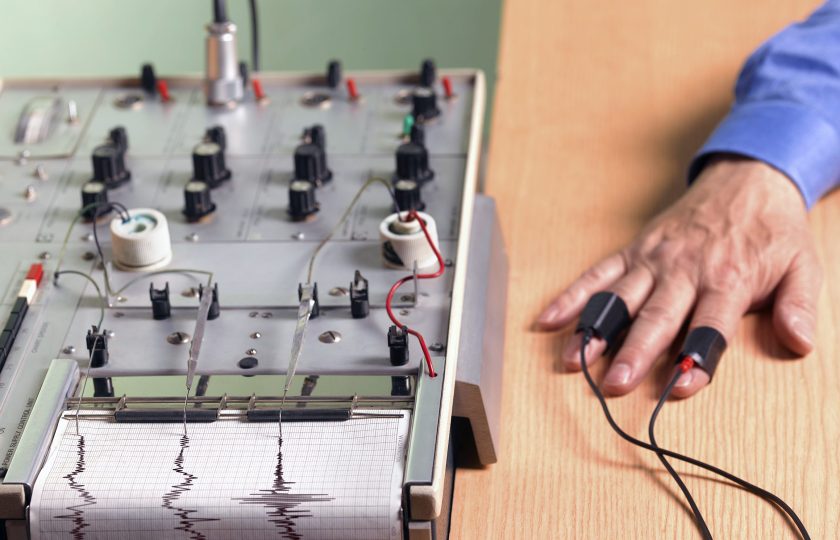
[600,107]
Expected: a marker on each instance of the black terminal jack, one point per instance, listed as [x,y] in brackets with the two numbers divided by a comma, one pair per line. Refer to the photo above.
[359,298]
[606,316]
[398,345]
[161,308]
[215,308]
[97,346]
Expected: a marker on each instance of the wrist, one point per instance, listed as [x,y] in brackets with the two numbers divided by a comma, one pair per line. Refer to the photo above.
[731,171]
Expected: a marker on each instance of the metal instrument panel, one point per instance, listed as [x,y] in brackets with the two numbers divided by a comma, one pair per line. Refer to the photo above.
[257,254]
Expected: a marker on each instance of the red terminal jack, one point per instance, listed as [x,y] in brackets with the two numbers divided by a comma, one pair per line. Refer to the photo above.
[352,90]
[447,88]
[163,90]
[259,94]
[36,273]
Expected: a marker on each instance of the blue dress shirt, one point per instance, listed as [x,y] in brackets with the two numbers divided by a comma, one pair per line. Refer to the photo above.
[787,106]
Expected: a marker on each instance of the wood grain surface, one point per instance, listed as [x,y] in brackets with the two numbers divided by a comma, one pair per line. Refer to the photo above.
[600,107]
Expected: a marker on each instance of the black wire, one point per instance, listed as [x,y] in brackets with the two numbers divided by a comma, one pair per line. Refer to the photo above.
[698,516]
[752,488]
[220,11]
[100,209]
[255,36]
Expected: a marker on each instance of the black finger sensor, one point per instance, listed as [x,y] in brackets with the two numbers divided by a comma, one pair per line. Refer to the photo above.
[705,346]
[605,316]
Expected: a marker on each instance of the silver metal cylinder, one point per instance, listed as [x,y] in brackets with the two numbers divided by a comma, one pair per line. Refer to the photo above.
[222,83]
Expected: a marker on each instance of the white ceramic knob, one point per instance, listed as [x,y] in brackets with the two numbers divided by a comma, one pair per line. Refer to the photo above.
[142,243]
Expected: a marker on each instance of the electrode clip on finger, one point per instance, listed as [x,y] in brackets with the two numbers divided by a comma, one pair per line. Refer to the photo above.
[705,346]
[605,316]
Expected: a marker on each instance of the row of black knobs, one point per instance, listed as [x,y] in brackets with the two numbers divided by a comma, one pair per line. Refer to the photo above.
[210,171]
[311,172]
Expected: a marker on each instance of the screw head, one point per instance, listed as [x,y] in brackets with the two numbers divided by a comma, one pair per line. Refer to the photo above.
[253,314]
[192,237]
[69,349]
[88,256]
[267,315]
[436,347]
[40,173]
[88,237]
[192,292]
[248,362]
[178,338]
[404,312]
[256,335]
[297,236]
[44,255]
[407,298]
[330,336]
[339,291]
[251,352]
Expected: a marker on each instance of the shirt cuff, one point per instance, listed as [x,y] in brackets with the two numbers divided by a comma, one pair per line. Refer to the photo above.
[788,136]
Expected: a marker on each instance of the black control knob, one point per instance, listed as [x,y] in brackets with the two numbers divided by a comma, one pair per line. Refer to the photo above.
[109,166]
[148,79]
[316,135]
[333,74]
[424,104]
[94,197]
[302,201]
[217,135]
[119,138]
[413,163]
[428,73]
[209,164]
[311,164]
[161,308]
[197,201]
[407,193]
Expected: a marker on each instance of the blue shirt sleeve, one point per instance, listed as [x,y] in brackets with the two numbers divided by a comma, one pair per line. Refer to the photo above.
[787,106]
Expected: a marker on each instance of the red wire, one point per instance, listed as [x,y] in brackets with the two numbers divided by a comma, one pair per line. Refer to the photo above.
[441,267]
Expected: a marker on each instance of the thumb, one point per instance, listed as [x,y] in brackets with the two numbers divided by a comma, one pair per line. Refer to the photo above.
[795,310]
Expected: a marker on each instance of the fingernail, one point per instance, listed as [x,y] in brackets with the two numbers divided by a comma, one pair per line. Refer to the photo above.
[618,375]
[685,379]
[549,315]
[802,331]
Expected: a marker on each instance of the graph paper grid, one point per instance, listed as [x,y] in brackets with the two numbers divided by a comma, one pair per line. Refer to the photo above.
[226,479]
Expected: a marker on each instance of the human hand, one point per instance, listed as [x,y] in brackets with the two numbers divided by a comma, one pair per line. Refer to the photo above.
[736,240]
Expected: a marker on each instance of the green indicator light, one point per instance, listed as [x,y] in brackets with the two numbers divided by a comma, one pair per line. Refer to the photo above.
[408,123]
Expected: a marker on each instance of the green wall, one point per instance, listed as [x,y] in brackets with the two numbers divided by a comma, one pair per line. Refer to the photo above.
[113,37]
